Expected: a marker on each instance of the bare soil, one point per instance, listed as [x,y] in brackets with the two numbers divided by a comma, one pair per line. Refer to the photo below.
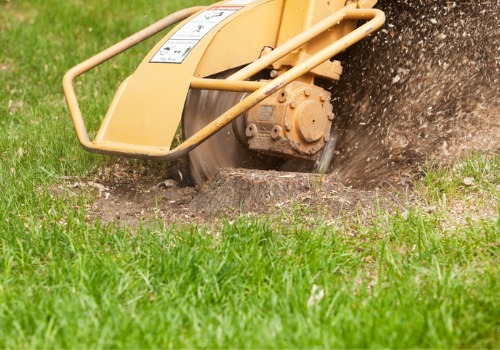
[128,194]
[424,89]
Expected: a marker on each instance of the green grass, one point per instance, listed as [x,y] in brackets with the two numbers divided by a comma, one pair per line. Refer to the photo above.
[249,286]
[422,277]
[475,175]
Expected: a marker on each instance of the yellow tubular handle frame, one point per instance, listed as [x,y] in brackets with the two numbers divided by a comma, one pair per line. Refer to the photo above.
[236,82]
[106,55]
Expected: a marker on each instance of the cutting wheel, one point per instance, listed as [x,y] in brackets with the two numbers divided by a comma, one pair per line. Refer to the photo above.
[225,149]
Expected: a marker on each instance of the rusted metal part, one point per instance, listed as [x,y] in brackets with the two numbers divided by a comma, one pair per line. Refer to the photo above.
[293,122]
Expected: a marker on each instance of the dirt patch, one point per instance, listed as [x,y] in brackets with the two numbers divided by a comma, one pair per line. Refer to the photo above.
[425,88]
[6,67]
[131,192]
[270,192]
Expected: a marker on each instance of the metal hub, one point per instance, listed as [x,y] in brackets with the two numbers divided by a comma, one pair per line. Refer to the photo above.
[293,122]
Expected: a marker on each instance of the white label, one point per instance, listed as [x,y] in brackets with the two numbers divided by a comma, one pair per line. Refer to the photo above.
[182,42]
[174,51]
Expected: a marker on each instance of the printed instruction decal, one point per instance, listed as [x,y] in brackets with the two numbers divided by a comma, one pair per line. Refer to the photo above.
[176,49]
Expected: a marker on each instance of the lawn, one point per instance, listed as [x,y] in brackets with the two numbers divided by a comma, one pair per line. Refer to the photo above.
[426,276]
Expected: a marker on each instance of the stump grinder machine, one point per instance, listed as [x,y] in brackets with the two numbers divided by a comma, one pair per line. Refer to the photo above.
[240,77]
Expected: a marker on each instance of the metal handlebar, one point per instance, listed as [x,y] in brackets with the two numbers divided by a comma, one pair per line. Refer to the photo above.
[236,82]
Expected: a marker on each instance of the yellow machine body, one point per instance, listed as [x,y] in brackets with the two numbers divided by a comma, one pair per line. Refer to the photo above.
[295,39]
[148,108]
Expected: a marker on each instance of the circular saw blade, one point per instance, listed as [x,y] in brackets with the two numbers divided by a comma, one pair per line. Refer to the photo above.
[223,149]
[227,148]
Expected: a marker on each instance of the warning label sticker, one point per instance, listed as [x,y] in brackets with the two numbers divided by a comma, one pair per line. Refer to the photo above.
[182,42]
[174,51]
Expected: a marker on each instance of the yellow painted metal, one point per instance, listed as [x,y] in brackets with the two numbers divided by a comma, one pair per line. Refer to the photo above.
[376,19]
[102,57]
[146,111]
[241,40]
[150,107]
[147,108]
[366,4]
[226,85]
[298,16]
[328,70]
